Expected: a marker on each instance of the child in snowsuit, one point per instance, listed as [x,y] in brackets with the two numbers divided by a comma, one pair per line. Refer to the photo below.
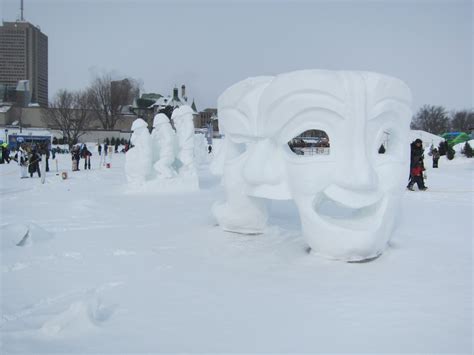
[417,177]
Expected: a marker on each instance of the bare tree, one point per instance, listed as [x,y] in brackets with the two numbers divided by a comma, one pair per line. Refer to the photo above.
[107,98]
[433,119]
[69,113]
[462,121]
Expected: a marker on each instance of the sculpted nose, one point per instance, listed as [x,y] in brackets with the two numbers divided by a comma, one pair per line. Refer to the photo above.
[262,165]
[356,184]
[357,170]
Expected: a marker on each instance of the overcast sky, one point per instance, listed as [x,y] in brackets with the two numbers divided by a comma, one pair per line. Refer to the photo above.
[209,45]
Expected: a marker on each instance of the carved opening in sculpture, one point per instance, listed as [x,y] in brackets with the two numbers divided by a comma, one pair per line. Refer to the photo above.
[311,142]
[384,142]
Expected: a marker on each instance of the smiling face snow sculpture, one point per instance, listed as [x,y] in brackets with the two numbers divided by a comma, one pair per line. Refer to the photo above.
[348,199]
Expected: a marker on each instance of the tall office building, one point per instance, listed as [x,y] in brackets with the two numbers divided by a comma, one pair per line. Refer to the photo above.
[24,56]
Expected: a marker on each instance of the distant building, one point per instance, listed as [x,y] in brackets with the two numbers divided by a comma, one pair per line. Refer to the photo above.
[24,56]
[150,104]
[204,118]
[174,101]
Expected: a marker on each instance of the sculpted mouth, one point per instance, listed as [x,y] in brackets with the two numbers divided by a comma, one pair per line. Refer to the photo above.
[344,214]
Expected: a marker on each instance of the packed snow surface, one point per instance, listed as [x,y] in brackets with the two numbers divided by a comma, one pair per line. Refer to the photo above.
[107,272]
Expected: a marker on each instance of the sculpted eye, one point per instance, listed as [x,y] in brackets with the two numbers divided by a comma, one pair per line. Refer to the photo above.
[310,143]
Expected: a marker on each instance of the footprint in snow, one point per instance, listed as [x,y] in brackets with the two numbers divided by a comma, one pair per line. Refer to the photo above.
[120,252]
[73,255]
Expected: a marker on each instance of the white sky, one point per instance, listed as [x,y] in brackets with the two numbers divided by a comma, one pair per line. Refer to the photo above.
[209,45]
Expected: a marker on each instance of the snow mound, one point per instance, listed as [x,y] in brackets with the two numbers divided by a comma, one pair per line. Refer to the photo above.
[81,316]
[176,185]
[427,138]
[22,235]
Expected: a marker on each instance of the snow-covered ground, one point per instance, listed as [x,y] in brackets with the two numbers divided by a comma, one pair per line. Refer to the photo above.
[105,271]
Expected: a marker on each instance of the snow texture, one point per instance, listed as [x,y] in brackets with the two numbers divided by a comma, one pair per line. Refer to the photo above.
[183,121]
[164,146]
[348,201]
[139,157]
[140,274]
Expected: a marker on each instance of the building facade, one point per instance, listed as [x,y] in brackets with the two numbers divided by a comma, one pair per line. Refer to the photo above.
[24,56]
[204,118]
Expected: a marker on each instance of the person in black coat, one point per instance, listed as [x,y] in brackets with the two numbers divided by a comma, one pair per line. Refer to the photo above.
[416,165]
[44,150]
[34,159]
[76,156]
[435,154]
[86,155]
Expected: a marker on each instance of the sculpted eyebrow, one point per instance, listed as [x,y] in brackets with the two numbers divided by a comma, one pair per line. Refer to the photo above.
[322,100]
[387,105]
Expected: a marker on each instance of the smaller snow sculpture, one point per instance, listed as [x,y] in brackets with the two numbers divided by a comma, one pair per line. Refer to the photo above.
[183,120]
[163,162]
[164,147]
[139,158]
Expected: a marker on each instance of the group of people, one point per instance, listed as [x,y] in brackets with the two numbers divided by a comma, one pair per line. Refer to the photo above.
[29,157]
[417,166]
[78,152]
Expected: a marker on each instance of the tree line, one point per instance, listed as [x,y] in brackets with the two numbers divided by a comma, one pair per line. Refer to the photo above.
[73,112]
[437,120]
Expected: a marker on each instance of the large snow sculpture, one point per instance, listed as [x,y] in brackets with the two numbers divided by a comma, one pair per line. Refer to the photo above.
[183,121]
[164,146]
[348,200]
[139,158]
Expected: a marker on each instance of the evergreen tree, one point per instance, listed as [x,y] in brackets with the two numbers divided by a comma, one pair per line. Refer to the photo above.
[112,142]
[442,148]
[450,153]
[382,149]
[107,141]
[467,150]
